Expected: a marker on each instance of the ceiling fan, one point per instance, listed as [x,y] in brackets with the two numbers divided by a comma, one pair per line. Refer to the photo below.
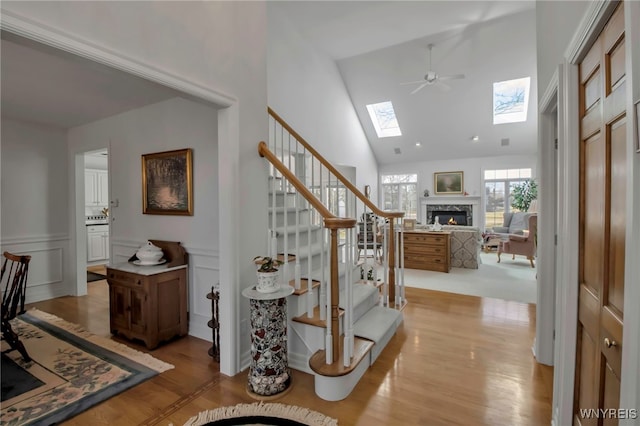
[431,78]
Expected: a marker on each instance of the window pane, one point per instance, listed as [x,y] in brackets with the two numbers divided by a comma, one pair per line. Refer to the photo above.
[513,173]
[494,207]
[390,194]
[501,174]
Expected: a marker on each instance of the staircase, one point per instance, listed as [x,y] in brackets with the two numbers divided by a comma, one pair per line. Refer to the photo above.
[338,323]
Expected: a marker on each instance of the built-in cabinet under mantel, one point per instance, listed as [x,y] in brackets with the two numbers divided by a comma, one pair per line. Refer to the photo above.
[450,200]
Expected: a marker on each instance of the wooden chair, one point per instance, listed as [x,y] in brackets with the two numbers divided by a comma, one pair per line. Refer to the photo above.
[13,278]
[372,241]
[524,244]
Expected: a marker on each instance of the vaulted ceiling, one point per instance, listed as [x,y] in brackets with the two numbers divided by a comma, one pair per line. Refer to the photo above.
[378,45]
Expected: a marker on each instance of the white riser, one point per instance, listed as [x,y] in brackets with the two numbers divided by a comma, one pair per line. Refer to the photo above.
[338,388]
[304,235]
[303,216]
[288,199]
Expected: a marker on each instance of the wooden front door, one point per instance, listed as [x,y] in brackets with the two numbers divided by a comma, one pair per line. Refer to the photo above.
[603,174]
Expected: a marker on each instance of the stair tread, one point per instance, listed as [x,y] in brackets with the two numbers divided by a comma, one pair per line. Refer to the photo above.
[361,292]
[318,364]
[315,319]
[281,230]
[303,286]
[281,209]
[374,324]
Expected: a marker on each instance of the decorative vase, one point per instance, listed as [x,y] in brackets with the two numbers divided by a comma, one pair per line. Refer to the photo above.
[267,282]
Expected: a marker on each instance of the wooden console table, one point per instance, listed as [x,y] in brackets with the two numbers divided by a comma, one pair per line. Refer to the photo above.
[429,250]
[150,302]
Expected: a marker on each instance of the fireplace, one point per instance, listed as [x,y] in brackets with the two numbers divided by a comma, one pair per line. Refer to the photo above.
[462,214]
[450,217]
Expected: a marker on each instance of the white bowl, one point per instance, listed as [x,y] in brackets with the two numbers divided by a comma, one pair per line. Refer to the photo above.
[149,253]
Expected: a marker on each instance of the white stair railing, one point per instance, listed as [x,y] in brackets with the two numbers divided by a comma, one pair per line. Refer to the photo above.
[324,195]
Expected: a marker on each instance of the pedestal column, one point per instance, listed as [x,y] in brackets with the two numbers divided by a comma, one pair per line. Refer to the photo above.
[269,373]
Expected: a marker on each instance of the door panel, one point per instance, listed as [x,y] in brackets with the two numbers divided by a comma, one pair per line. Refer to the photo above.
[603,205]
[617,215]
[587,379]
[611,395]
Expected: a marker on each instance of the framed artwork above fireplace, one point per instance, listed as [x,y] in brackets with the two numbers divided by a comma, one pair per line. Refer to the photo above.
[448,183]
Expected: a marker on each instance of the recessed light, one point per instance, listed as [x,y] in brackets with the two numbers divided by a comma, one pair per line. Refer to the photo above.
[418,144]
[475,138]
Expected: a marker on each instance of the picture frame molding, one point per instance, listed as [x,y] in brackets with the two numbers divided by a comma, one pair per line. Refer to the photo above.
[146,208]
[441,175]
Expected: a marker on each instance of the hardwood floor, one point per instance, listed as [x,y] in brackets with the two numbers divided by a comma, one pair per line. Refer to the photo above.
[456,360]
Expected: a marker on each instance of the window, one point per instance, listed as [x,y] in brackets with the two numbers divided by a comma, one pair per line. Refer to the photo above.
[399,193]
[384,119]
[498,185]
[510,100]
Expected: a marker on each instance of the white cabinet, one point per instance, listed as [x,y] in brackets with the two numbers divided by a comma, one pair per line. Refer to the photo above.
[96,188]
[97,242]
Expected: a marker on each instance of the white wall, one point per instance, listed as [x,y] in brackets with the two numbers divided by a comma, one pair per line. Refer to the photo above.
[305,88]
[473,169]
[556,22]
[34,206]
[217,46]
[164,126]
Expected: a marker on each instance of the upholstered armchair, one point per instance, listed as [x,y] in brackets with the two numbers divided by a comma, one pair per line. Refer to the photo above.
[513,223]
[521,244]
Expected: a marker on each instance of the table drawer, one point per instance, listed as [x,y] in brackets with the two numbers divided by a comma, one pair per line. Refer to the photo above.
[424,249]
[425,239]
[124,277]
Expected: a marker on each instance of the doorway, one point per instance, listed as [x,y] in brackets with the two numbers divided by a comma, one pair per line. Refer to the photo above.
[97,218]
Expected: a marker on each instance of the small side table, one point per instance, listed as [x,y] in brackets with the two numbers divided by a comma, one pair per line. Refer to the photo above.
[491,243]
[269,373]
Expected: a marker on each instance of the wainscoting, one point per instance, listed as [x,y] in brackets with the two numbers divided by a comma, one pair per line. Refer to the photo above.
[50,261]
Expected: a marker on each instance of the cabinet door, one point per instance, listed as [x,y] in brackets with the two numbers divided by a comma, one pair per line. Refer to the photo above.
[105,243]
[90,185]
[119,307]
[102,188]
[96,246]
[138,310]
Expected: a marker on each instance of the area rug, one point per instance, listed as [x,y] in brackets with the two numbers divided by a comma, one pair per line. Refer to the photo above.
[92,276]
[72,370]
[261,414]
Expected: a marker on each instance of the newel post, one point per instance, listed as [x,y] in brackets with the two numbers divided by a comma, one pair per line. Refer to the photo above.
[334,224]
[392,262]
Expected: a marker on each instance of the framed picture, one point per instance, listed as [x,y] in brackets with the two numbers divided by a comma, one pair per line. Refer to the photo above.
[448,183]
[167,183]
[409,224]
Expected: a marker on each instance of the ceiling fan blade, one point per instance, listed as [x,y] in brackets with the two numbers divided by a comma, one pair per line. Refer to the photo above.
[412,82]
[417,89]
[451,77]
[444,87]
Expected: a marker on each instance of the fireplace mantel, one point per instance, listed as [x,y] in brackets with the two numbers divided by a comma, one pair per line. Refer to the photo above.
[472,200]
[467,199]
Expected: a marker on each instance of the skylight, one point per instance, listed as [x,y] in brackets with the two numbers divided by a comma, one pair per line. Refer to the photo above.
[510,100]
[384,119]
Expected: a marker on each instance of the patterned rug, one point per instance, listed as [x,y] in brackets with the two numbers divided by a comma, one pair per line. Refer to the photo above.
[267,414]
[71,370]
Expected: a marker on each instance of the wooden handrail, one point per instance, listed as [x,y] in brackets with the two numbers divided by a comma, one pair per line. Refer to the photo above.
[331,221]
[341,178]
